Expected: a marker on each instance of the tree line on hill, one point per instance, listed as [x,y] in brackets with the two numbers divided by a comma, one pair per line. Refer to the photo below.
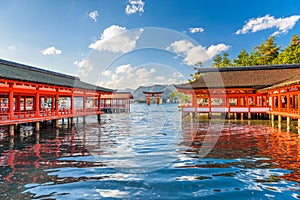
[267,53]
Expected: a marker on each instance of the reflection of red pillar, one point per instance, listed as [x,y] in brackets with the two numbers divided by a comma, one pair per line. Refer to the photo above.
[148,100]
[157,99]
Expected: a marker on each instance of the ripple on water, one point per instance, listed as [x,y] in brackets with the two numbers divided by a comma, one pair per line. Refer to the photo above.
[151,154]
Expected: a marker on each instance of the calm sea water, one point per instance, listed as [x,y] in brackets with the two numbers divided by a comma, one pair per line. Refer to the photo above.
[151,153]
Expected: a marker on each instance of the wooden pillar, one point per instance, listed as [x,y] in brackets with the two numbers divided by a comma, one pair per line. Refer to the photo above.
[11,102]
[279,103]
[52,103]
[194,100]
[57,123]
[37,126]
[273,103]
[148,99]
[12,130]
[288,103]
[227,104]
[99,118]
[99,102]
[298,125]
[25,102]
[57,103]
[84,103]
[18,103]
[288,120]
[72,103]
[279,119]
[248,105]
[37,103]
[72,121]
[157,99]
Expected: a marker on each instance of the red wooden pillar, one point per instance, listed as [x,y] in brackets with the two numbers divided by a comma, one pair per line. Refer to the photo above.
[99,101]
[37,103]
[288,102]
[148,99]
[194,100]
[157,99]
[279,103]
[272,103]
[11,101]
[72,103]
[104,103]
[84,103]
[18,103]
[52,103]
[57,103]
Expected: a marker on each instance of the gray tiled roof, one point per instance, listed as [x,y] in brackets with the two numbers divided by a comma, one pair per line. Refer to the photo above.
[255,77]
[16,71]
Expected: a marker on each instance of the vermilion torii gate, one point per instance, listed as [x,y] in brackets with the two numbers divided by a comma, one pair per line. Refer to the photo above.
[152,94]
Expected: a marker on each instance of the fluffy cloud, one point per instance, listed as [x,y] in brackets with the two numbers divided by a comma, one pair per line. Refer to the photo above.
[126,76]
[193,54]
[261,23]
[134,6]
[51,51]
[93,15]
[117,39]
[85,66]
[196,30]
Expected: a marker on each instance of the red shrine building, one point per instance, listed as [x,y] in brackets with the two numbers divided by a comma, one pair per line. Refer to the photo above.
[117,102]
[246,91]
[30,94]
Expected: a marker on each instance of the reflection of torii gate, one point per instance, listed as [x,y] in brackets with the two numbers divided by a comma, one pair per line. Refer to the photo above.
[153,94]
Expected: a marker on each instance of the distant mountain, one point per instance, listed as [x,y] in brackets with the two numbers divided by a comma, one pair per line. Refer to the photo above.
[166,89]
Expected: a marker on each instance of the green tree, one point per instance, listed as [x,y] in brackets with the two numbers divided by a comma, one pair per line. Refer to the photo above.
[243,59]
[217,61]
[291,54]
[265,53]
[173,96]
[196,74]
[185,98]
[222,61]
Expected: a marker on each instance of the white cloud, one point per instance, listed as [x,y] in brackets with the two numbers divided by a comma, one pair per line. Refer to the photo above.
[124,69]
[196,30]
[51,51]
[85,66]
[117,39]
[193,54]
[107,73]
[126,76]
[93,15]
[180,46]
[283,25]
[134,6]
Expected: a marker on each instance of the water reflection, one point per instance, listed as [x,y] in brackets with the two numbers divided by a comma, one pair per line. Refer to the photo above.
[249,160]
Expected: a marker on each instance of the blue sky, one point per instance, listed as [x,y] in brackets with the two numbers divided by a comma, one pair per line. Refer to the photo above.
[127,43]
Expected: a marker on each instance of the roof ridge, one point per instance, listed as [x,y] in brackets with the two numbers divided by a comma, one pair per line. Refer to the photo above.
[249,68]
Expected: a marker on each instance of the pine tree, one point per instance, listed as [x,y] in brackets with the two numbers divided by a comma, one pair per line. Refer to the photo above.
[243,59]
[217,61]
[266,53]
[291,54]
[222,61]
